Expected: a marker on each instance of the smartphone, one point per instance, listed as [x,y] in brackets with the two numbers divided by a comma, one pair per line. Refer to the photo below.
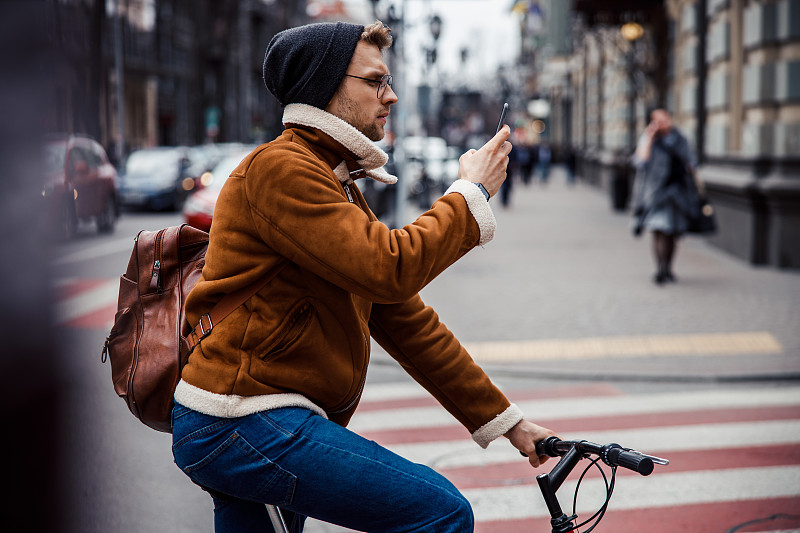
[502,117]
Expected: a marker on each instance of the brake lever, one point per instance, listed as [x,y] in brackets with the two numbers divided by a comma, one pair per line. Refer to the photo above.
[656,460]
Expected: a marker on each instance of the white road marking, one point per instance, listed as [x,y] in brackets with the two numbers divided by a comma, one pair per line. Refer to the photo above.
[568,408]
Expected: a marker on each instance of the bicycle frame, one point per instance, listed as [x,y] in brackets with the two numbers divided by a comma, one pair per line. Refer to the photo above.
[277,520]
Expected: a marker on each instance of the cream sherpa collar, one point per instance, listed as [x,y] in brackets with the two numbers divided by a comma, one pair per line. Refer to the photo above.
[370,157]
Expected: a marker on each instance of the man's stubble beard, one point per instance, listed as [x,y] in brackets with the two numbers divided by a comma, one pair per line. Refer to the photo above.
[352,116]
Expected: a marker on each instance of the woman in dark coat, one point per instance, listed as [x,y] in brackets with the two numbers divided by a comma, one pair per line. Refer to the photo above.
[664,193]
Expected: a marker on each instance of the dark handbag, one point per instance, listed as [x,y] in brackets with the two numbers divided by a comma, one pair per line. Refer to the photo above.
[703,220]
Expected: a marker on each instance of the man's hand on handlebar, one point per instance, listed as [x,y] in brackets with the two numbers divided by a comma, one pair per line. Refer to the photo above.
[524,437]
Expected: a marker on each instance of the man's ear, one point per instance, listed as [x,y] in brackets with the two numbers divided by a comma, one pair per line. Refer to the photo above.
[333,106]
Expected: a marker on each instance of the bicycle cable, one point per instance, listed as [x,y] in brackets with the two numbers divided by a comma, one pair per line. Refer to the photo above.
[776,516]
[609,491]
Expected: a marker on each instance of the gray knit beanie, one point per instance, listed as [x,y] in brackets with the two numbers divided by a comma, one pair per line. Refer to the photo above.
[305,65]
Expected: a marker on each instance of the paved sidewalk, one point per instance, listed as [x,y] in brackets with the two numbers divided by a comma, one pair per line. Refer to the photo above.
[564,287]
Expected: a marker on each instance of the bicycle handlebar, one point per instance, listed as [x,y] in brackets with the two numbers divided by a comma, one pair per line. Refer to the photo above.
[571,452]
[612,454]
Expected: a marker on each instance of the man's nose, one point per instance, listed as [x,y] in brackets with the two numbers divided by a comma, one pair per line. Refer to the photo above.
[389,97]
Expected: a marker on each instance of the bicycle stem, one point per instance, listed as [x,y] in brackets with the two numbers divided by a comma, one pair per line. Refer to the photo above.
[550,483]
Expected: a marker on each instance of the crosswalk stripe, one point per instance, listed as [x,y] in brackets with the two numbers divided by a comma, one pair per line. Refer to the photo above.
[450,454]
[520,472]
[772,515]
[89,301]
[392,391]
[410,395]
[684,418]
[663,490]
[566,408]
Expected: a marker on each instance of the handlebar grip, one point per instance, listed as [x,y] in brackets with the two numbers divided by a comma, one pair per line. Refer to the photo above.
[545,447]
[631,460]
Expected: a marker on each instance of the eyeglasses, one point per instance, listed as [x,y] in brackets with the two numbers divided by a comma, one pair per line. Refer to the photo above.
[383,82]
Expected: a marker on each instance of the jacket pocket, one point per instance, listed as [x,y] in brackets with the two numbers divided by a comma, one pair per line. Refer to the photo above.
[289,330]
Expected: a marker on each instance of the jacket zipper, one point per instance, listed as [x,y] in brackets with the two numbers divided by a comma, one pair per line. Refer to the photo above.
[354,170]
[346,186]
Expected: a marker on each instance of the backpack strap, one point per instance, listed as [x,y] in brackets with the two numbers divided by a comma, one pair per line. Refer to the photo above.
[227,305]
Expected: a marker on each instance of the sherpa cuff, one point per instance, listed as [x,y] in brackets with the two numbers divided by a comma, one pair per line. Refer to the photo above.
[234,406]
[478,206]
[499,425]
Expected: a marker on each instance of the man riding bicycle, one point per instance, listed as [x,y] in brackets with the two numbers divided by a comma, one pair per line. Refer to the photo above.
[262,406]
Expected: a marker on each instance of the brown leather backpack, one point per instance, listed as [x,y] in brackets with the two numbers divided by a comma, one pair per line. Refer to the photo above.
[151,339]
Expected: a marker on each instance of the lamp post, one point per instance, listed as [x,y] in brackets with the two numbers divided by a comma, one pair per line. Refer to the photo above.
[395,18]
[631,32]
[425,91]
[119,74]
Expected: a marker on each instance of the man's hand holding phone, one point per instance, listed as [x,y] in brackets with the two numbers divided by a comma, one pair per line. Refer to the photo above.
[488,165]
[502,117]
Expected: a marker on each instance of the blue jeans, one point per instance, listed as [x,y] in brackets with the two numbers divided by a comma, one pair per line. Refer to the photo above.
[309,466]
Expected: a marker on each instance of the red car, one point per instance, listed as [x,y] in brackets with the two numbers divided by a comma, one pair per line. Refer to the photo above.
[79,184]
[199,207]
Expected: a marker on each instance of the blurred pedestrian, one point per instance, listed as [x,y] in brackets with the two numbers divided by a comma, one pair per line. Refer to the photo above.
[508,184]
[664,192]
[262,404]
[527,159]
[545,155]
[518,164]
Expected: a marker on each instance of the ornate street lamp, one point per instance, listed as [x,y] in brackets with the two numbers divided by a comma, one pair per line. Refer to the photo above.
[631,31]
[436,27]
[435,24]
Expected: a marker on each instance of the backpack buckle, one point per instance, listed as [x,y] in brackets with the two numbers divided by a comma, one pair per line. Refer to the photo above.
[203,330]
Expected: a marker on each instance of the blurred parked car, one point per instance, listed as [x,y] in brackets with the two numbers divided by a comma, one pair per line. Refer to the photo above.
[161,178]
[199,207]
[80,184]
[381,196]
[216,151]
[433,166]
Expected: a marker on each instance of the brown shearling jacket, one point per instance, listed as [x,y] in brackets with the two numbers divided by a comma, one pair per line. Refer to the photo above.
[304,338]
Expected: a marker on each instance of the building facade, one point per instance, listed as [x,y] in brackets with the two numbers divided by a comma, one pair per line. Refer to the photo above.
[143,73]
[729,71]
[748,120]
